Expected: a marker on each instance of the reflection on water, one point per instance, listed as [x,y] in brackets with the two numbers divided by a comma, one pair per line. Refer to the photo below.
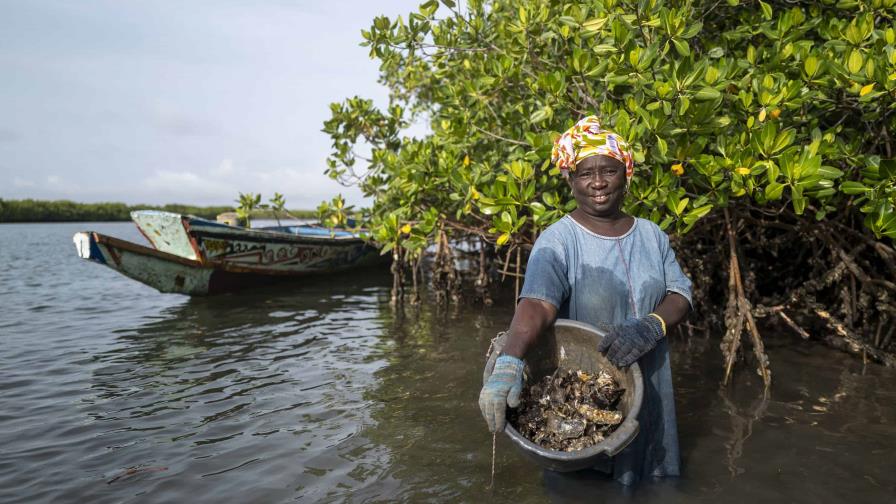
[741,425]
[113,392]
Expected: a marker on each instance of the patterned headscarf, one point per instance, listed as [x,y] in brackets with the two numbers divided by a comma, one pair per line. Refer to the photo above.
[587,139]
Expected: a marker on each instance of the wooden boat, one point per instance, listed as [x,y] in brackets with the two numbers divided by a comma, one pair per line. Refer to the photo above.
[195,256]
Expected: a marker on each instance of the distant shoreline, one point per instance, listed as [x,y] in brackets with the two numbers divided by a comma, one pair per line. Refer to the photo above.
[31,210]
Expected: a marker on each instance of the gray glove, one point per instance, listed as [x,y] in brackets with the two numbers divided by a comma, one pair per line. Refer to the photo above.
[627,342]
[502,389]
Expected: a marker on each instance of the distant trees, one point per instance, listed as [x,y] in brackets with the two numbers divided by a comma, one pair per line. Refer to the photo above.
[31,210]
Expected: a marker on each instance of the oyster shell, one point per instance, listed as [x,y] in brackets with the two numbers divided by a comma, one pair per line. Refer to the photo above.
[569,410]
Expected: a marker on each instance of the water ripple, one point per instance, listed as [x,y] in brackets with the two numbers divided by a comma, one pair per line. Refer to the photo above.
[113,392]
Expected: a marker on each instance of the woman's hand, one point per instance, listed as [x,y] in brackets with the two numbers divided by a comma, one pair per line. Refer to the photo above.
[625,343]
[502,389]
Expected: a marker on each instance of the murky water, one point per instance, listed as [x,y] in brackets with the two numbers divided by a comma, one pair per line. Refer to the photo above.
[112,392]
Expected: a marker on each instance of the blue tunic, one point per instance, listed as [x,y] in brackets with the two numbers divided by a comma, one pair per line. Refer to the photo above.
[605,280]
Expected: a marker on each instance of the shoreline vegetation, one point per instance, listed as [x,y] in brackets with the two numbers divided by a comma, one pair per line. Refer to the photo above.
[761,135]
[31,210]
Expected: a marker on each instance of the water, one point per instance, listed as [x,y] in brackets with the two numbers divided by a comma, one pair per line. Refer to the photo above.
[112,392]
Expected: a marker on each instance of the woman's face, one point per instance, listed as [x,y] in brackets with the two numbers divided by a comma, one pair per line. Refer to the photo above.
[598,185]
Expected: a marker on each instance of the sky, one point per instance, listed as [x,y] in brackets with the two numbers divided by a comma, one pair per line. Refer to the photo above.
[179,102]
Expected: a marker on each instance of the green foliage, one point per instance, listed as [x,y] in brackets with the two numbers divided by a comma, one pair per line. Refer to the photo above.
[250,206]
[332,213]
[277,203]
[247,204]
[335,214]
[777,105]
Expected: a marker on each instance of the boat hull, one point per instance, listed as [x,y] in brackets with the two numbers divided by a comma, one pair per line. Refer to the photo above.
[296,250]
[198,257]
[160,270]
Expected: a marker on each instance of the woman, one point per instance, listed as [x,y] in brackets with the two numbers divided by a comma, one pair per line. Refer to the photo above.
[601,266]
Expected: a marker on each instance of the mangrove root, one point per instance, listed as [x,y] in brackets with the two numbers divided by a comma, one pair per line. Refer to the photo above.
[738,313]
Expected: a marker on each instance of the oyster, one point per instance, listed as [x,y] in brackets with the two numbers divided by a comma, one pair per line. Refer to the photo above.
[564,428]
[600,416]
[569,410]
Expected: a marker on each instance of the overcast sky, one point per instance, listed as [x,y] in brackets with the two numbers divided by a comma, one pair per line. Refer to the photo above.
[178,101]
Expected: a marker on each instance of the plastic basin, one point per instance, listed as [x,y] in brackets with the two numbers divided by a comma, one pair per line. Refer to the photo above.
[573,345]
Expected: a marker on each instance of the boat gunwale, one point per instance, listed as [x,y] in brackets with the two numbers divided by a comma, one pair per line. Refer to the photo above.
[111,241]
[273,237]
[200,227]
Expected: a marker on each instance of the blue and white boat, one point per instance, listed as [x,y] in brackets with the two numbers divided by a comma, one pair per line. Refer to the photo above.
[195,256]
